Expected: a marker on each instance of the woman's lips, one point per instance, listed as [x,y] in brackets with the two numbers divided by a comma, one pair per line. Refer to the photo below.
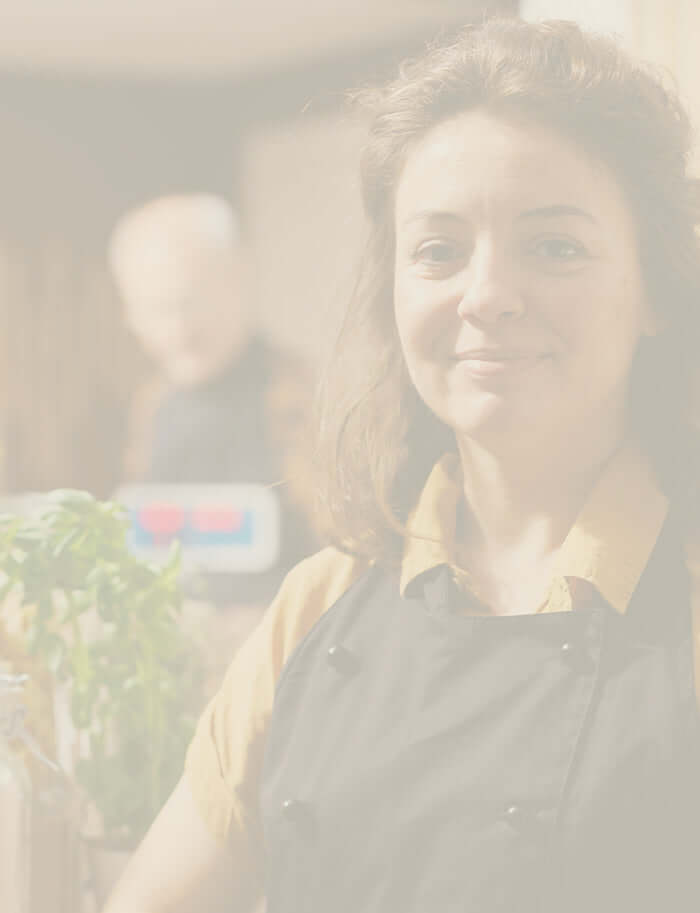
[488,364]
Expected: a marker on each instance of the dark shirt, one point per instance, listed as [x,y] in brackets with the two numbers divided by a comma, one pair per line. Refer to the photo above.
[220,432]
[216,432]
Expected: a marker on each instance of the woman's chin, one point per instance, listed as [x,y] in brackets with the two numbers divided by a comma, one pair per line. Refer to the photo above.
[492,420]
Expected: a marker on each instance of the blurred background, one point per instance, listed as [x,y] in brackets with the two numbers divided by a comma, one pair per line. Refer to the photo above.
[106,105]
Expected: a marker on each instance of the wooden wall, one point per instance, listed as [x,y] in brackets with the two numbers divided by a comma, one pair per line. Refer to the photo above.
[68,368]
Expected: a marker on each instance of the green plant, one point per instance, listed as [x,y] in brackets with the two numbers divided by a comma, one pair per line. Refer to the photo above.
[107,624]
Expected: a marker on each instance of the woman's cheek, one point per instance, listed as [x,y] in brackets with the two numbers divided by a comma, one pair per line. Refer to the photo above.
[425,325]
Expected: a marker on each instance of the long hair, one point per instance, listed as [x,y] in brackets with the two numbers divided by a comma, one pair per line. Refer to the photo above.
[377,438]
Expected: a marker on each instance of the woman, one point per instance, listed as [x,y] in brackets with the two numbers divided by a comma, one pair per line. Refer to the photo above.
[483,698]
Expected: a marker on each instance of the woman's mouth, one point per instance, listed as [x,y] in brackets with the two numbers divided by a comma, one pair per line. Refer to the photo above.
[491,362]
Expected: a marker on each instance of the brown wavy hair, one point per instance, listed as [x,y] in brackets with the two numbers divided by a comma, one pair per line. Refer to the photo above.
[378,440]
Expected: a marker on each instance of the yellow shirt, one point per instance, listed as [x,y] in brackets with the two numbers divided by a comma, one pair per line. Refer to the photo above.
[608,546]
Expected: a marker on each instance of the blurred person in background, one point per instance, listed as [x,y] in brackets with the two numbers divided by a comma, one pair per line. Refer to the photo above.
[484,697]
[225,405]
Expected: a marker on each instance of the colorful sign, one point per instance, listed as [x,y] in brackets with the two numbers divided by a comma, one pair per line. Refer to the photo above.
[234,528]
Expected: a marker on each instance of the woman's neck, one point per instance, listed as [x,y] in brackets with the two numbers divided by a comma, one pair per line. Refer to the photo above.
[522,503]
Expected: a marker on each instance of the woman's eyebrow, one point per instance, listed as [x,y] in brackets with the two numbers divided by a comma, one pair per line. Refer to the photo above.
[432,214]
[546,212]
[559,210]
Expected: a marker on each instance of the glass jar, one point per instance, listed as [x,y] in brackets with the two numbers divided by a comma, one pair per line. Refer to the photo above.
[15,801]
[39,813]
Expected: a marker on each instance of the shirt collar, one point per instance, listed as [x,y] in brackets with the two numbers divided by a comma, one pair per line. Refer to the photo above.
[432,525]
[608,545]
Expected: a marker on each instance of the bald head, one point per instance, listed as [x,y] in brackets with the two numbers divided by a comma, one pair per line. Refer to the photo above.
[199,224]
[179,266]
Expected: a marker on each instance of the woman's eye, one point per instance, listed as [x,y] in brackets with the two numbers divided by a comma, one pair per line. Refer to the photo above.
[437,253]
[559,250]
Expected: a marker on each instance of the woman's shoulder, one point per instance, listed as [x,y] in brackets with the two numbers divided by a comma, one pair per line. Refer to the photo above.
[309,590]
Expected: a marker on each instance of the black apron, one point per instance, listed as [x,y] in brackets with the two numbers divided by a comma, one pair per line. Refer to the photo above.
[422,760]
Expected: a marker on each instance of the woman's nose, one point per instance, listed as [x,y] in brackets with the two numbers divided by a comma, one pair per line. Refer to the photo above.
[492,290]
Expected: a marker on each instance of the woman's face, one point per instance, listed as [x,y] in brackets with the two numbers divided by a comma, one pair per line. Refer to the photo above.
[518,293]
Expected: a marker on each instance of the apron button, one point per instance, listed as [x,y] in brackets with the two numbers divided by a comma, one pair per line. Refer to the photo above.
[299,817]
[293,809]
[341,659]
[514,814]
[527,822]
[577,655]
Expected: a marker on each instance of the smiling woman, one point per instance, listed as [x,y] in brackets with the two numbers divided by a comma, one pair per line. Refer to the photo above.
[534,283]
[483,697]
[554,123]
